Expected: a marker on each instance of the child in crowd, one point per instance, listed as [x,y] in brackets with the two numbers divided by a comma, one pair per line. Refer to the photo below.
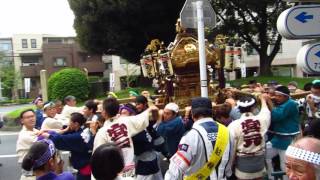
[78,141]
[107,162]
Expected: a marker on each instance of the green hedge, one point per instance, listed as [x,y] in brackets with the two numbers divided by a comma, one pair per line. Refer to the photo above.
[265,79]
[69,81]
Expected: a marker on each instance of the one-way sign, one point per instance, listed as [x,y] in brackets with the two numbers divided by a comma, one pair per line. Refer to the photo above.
[300,22]
[303,17]
[308,58]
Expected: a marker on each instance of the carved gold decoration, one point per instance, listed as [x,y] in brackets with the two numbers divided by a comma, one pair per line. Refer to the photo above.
[185,52]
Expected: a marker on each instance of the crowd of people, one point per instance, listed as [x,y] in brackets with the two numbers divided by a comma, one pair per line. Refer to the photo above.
[256,132]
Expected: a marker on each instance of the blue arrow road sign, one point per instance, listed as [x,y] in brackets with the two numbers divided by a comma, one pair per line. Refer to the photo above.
[300,22]
[318,54]
[302,17]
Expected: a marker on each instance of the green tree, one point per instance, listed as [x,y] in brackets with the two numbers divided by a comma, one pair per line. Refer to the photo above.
[255,23]
[68,81]
[9,80]
[125,26]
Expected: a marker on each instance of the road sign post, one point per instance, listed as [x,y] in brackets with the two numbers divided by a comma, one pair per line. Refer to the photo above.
[202,53]
[197,14]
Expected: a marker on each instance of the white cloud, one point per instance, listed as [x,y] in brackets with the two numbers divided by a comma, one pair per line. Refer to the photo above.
[36,17]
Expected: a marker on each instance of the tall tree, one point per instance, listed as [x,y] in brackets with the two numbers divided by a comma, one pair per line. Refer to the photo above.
[124,26]
[255,23]
[9,80]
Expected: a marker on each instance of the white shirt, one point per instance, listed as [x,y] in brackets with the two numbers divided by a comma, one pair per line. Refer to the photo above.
[249,132]
[25,140]
[68,110]
[191,156]
[51,123]
[120,131]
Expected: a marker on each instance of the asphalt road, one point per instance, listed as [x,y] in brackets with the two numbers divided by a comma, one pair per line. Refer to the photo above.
[9,169]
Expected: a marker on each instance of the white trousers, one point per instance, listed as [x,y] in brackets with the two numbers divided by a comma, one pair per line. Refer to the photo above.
[271,152]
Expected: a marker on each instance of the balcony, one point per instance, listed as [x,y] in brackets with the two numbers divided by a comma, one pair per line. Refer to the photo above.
[93,66]
[31,71]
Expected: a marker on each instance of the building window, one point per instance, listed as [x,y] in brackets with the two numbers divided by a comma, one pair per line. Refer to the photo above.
[60,61]
[251,50]
[55,41]
[33,43]
[108,66]
[272,46]
[24,43]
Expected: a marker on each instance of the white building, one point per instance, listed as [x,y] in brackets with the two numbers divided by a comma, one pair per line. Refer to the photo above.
[120,67]
[284,63]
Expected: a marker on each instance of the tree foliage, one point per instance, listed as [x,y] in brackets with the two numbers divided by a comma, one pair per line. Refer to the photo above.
[69,81]
[9,80]
[124,26]
[255,23]
[127,26]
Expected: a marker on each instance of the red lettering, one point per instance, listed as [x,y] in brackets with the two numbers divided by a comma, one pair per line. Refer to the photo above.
[119,135]
[251,129]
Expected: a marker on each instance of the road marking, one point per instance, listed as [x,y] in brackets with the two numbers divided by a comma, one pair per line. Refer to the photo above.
[9,156]
[9,134]
[16,155]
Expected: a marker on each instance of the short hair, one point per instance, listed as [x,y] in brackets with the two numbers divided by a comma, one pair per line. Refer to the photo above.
[307,86]
[107,162]
[78,118]
[57,101]
[35,152]
[25,111]
[69,98]
[223,110]
[91,105]
[316,86]
[111,106]
[141,99]
[201,107]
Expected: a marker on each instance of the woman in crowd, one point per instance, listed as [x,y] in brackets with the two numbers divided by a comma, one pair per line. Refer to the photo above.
[44,162]
[107,162]
[78,141]
[90,110]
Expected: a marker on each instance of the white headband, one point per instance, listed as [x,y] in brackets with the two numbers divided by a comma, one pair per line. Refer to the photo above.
[247,103]
[304,155]
[281,93]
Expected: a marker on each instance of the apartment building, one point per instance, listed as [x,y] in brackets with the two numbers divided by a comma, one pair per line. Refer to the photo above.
[6,51]
[34,52]
[284,64]
[120,67]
